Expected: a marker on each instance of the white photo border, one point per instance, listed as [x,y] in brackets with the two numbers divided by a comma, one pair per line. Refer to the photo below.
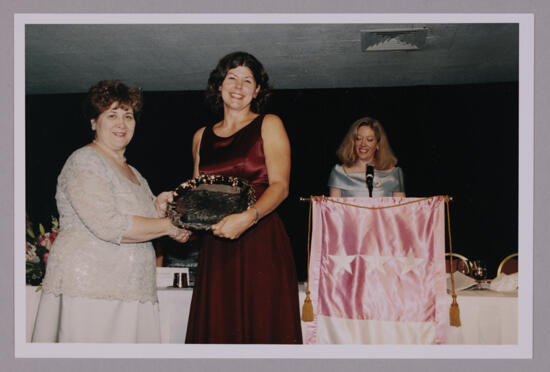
[524,348]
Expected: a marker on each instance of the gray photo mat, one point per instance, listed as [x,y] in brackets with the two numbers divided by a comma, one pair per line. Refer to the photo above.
[542,182]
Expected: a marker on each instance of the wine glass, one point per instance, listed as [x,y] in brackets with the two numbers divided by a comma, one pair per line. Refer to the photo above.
[479,272]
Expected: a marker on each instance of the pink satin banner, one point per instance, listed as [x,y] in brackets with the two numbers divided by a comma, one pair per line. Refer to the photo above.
[378,276]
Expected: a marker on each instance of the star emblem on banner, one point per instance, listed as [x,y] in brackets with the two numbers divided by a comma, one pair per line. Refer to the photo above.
[410,263]
[342,262]
[375,262]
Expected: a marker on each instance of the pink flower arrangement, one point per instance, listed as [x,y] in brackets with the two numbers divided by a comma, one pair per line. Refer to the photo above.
[47,239]
[37,248]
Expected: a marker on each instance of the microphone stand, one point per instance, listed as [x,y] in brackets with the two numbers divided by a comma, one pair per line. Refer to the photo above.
[369,178]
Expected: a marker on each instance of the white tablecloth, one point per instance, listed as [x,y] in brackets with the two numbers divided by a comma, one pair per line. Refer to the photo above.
[487,317]
[174,304]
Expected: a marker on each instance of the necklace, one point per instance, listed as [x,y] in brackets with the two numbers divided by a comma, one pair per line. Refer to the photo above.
[119,158]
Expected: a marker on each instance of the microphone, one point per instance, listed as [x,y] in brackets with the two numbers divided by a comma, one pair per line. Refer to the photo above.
[370,177]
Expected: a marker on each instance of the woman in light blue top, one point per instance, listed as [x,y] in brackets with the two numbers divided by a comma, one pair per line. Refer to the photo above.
[366,143]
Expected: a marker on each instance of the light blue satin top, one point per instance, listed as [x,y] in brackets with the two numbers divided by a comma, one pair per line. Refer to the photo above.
[385,183]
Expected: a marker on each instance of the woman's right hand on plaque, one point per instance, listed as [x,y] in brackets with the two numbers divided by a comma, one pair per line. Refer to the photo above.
[232,226]
[161,202]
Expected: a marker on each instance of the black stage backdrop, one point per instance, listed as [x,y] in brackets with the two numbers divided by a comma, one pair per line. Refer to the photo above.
[459,140]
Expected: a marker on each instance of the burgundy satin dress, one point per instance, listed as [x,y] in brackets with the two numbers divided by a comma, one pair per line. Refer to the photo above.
[246,290]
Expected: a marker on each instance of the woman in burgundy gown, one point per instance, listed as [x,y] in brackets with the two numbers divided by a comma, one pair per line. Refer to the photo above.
[246,289]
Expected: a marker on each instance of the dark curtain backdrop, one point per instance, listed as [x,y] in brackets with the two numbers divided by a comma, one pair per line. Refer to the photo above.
[460,141]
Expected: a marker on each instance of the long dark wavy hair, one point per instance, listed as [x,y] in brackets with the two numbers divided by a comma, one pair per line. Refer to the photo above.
[231,61]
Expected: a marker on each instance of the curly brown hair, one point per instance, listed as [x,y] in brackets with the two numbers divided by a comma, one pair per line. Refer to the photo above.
[231,61]
[104,93]
[384,157]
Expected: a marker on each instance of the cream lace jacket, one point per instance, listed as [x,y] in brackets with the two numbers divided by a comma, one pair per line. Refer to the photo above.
[96,204]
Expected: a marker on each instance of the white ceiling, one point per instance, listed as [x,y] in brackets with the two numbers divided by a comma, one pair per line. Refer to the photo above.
[70,58]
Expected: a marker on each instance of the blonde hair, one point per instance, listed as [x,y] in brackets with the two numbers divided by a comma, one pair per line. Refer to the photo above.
[384,157]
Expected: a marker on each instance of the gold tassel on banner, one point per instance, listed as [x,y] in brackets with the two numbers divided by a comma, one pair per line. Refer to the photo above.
[454,311]
[307,309]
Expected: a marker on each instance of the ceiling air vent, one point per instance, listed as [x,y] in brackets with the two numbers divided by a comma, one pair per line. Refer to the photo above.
[393,39]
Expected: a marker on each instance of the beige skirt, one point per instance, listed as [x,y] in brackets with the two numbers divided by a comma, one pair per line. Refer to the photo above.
[78,319]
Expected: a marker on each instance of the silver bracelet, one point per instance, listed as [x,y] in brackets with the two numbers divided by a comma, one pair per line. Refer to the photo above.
[257,214]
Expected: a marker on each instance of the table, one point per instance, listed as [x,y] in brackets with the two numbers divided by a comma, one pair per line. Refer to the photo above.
[174,304]
[487,317]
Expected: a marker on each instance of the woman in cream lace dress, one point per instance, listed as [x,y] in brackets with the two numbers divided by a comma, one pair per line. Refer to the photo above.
[100,283]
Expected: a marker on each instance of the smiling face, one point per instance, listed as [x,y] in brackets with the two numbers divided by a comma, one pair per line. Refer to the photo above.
[365,143]
[115,127]
[239,88]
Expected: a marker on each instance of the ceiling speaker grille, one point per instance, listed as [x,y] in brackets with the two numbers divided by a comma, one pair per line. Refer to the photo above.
[393,39]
